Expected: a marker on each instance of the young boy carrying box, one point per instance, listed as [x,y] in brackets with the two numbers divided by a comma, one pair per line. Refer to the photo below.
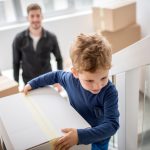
[89,90]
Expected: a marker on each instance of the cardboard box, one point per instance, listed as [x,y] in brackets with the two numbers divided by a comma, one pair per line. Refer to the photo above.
[115,15]
[34,122]
[123,38]
[7,86]
[1,147]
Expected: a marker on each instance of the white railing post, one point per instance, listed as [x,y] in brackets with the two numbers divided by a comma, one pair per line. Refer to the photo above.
[132,108]
[128,84]
[120,85]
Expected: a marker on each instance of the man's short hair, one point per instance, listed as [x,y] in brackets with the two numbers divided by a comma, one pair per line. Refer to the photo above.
[33,6]
[91,52]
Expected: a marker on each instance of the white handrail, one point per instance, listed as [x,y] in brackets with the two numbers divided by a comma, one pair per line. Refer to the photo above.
[132,57]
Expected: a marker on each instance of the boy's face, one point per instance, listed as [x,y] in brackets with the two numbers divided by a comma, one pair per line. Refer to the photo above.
[92,82]
[35,19]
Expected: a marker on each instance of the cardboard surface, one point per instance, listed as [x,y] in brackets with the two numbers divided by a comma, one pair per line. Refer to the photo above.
[0,147]
[34,121]
[114,16]
[123,38]
[7,86]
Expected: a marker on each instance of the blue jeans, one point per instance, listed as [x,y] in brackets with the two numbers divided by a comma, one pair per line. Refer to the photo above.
[100,146]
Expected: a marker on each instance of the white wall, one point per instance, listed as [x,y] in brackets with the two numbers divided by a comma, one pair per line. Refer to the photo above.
[66,29]
[143,16]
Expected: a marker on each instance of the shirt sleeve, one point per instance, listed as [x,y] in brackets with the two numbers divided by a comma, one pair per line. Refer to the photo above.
[17,56]
[57,54]
[108,127]
[49,78]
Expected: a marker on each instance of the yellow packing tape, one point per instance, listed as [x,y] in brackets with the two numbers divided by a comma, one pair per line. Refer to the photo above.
[41,119]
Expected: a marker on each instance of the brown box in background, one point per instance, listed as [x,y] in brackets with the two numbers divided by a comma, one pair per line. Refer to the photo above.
[7,86]
[115,15]
[123,38]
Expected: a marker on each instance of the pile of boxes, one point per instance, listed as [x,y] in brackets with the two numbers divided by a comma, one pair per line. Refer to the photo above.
[116,20]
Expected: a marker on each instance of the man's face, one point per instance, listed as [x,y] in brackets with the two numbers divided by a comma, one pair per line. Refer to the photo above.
[35,19]
[93,82]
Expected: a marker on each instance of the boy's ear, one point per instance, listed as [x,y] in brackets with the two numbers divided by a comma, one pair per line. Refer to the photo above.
[74,72]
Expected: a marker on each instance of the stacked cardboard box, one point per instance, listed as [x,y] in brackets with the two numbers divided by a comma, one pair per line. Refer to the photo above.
[7,86]
[123,38]
[35,121]
[117,22]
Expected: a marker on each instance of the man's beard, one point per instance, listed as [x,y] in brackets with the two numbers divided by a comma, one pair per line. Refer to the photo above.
[36,26]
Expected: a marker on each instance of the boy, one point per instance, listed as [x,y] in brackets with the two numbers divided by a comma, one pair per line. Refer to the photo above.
[90,92]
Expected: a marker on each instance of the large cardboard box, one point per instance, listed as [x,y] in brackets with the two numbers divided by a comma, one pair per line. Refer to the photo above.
[34,122]
[115,15]
[7,86]
[123,38]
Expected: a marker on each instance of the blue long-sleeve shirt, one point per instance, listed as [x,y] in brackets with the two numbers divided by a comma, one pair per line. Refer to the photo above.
[99,110]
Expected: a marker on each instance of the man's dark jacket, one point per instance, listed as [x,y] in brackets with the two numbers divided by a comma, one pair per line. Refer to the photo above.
[34,62]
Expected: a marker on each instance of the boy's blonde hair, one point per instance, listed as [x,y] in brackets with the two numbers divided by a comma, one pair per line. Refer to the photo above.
[91,52]
[33,6]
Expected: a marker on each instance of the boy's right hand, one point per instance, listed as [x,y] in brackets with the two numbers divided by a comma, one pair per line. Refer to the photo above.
[27,88]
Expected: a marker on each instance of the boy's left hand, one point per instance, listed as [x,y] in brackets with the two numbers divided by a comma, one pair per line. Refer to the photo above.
[68,140]
[58,87]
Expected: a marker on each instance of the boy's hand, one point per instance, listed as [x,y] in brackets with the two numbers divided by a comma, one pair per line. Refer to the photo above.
[58,87]
[27,88]
[68,140]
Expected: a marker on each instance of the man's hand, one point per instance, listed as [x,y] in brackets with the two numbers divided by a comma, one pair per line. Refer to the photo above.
[27,88]
[68,140]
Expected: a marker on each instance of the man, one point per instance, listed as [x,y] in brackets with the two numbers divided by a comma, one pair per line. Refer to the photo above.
[32,48]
